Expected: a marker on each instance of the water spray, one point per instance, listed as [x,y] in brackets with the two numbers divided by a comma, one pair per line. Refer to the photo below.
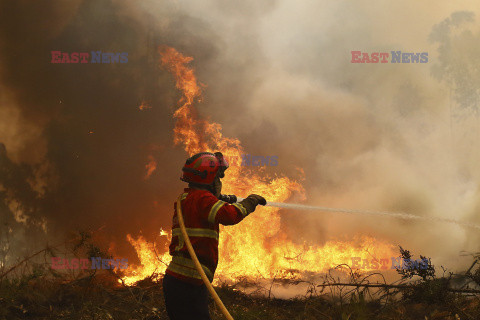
[401,215]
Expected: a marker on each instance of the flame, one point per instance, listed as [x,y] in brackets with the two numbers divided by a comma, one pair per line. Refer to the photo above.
[151,166]
[144,106]
[163,233]
[257,246]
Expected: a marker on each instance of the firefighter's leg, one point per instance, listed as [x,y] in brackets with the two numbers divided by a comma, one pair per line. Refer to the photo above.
[185,301]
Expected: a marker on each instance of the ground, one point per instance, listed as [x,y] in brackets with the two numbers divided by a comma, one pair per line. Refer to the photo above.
[100,296]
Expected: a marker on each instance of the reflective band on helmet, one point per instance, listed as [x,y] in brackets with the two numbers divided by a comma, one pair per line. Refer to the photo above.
[242,209]
[214,210]
[186,267]
[196,232]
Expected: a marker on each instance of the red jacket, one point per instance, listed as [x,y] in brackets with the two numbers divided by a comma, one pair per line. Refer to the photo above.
[202,214]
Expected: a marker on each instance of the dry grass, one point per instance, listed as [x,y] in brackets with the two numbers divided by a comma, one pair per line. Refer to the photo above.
[99,296]
[32,290]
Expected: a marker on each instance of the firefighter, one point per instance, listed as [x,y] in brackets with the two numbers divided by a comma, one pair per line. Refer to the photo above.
[204,209]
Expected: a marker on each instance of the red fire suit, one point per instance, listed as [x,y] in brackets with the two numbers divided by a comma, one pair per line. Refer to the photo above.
[202,213]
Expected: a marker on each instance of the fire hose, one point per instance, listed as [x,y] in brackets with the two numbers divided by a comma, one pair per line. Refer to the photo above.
[400,215]
[198,266]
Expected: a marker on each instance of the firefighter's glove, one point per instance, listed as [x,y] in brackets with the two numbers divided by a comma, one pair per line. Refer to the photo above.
[230,198]
[252,201]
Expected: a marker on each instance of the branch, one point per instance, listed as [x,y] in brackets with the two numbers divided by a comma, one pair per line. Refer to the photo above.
[391,286]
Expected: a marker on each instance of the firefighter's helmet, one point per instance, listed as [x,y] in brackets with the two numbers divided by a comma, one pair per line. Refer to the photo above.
[204,167]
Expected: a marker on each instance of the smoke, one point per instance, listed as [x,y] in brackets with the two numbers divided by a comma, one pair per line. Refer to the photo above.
[380,137]
[77,129]
[396,137]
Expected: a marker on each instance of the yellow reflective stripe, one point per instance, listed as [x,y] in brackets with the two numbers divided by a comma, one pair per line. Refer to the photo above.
[184,195]
[187,272]
[214,210]
[196,232]
[180,245]
[186,267]
[242,209]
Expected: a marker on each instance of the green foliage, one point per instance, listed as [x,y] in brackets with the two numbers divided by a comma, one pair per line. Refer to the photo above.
[423,270]
[429,289]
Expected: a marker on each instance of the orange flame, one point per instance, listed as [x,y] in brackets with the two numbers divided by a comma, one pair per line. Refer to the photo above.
[151,166]
[257,246]
[144,106]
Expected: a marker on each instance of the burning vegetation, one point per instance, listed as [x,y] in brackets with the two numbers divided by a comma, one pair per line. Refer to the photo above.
[258,246]
[31,289]
[258,260]
[84,146]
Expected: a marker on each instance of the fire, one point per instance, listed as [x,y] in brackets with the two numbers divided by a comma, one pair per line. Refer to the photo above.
[257,246]
[151,166]
[144,106]
[163,233]
[150,263]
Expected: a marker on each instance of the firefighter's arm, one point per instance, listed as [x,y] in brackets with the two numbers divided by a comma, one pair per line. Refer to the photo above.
[230,198]
[228,214]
